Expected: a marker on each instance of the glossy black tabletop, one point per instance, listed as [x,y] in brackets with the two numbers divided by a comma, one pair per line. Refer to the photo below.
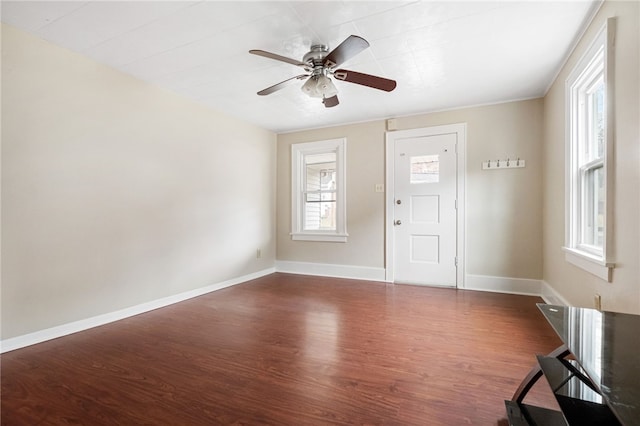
[607,346]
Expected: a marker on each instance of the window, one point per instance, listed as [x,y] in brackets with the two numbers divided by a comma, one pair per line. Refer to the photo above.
[318,211]
[589,182]
[425,169]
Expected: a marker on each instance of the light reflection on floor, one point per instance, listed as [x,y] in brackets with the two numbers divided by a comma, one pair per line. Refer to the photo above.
[322,333]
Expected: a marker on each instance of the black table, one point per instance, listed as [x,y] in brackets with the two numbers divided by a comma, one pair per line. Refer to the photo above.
[594,375]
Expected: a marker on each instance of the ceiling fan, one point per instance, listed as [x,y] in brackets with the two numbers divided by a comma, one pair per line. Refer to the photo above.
[319,64]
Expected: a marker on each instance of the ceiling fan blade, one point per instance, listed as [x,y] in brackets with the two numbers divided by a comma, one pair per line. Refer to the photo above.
[276,57]
[330,102]
[346,50]
[365,80]
[281,85]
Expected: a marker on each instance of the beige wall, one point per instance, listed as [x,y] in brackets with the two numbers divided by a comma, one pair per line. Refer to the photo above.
[504,226]
[116,193]
[575,285]
[365,207]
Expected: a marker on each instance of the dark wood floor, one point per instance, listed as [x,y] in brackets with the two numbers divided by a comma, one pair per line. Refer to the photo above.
[289,350]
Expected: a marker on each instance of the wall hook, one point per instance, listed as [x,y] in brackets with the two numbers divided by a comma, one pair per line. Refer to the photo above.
[502,164]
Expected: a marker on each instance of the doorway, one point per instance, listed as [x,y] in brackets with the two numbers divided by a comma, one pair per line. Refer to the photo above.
[425,206]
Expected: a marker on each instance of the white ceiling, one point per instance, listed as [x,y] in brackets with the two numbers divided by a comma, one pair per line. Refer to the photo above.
[443,55]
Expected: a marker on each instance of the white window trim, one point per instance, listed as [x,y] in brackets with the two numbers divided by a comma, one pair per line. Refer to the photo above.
[590,263]
[298,151]
[598,264]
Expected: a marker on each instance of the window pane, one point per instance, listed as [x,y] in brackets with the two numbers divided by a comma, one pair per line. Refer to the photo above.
[593,207]
[425,169]
[595,130]
[320,212]
[320,172]
[320,192]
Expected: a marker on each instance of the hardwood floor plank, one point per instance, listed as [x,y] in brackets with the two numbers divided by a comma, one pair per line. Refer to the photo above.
[289,350]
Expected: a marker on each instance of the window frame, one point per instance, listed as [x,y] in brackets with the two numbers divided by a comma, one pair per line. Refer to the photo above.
[298,192]
[597,63]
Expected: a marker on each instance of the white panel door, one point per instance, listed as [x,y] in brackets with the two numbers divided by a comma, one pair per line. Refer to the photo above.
[424,212]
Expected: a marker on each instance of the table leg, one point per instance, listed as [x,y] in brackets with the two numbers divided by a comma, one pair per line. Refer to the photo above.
[535,373]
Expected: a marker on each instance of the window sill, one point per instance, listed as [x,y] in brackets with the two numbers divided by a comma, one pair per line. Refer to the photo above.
[309,236]
[590,263]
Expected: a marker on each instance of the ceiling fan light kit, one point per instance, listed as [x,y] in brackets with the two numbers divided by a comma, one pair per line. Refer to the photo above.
[319,63]
[319,86]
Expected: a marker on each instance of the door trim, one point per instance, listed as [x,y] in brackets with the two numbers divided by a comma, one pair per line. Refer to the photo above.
[460,129]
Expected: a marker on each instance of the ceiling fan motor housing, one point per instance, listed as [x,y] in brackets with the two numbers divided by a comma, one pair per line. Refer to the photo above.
[315,57]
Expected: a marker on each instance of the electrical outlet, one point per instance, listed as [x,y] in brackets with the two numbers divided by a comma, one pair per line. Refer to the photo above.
[379,187]
[597,302]
[258,254]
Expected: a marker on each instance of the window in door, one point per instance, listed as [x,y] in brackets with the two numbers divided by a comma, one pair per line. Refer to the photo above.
[425,169]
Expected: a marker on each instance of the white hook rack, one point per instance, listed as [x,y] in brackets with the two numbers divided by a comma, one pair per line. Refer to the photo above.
[503,164]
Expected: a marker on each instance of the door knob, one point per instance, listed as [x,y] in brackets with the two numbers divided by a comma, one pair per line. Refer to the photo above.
[399,202]
[397,222]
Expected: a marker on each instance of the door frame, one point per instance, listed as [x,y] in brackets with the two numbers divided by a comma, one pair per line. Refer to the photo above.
[460,129]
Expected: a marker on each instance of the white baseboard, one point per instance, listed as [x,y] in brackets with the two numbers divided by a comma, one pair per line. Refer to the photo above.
[524,286]
[551,296]
[85,324]
[331,270]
